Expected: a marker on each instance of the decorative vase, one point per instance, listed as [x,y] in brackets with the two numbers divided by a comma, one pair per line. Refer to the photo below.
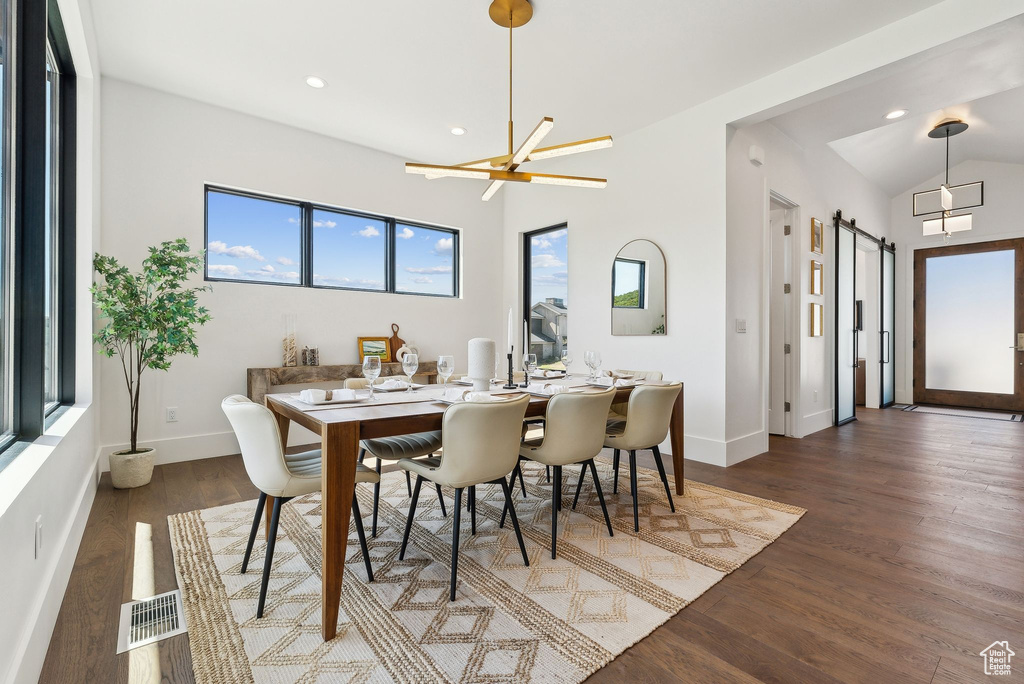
[481,363]
[129,470]
[290,353]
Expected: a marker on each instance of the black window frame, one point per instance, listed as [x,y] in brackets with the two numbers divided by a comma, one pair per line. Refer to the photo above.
[306,209]
[641,284]
[528,272]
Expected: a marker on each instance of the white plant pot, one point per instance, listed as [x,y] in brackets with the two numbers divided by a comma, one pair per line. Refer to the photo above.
[131,470]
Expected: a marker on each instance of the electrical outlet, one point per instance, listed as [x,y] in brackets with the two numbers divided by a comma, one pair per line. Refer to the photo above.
[172,414]
[39,535]
[741,325]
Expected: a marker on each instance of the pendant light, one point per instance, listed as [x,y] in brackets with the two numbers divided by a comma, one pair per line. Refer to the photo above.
[948,198]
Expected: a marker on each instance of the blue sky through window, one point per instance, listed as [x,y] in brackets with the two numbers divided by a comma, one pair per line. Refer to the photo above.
[253,239]
[424,260]
[348,251]
[549,266]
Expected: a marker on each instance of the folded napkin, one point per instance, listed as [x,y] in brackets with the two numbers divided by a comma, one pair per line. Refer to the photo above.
[549,374]
[392,385]
[320,396]
[538,388]
[456,394]
[616,375]
[608,381]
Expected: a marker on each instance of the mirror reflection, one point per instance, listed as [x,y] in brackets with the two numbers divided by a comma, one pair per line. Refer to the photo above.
[638,290]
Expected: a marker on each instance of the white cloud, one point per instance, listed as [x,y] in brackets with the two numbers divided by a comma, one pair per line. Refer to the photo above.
[285,261]
[429,269]
[422,280]
[235,251]
[267,269]
[294,221]
[540,242]
[444,246]
[224,270]
[264,274]
[545,261]
[324,224]
[369,231]
[553,278]
[347,282]
[406,233]
[554,235]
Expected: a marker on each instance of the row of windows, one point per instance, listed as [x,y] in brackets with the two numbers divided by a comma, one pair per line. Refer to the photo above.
[259,239]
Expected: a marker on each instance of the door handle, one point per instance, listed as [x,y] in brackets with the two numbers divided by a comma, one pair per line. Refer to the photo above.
[885,346]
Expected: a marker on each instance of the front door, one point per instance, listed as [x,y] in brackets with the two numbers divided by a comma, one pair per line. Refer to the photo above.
[969,325]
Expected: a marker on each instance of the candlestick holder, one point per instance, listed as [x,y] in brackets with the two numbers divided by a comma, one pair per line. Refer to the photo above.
[511,384]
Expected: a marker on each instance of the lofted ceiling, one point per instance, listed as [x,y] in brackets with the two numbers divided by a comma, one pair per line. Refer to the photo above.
[402,73]
[979,78]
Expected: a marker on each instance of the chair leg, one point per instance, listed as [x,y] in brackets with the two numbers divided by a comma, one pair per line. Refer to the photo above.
[547,473]
[408,482]
[472,509]
[600,495]
[615,471]
[362,455]
[269,559]
[440,499]
[255,528]
[376,502]
[362,537]
[515,521]
[522,485]
[412,514]
[455,543]
[632,489]
[556,500]
[664,477]
[579,486]
[504,511]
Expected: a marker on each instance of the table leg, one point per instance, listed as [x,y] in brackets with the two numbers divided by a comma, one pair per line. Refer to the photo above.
[340,449]
[283,424]
[676,433]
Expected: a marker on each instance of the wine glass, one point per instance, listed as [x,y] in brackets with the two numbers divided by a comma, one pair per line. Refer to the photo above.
[588,359]
[371,371]
[595,357]
[566,360]
[410,362]
[445,367]
[529,365]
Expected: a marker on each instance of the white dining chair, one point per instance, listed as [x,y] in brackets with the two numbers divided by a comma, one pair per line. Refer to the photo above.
[645,427]
[618,411]
[481,446]
[574,432]
[394,449]
[280,475]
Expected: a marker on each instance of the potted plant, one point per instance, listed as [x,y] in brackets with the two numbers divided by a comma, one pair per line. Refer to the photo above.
[151,318]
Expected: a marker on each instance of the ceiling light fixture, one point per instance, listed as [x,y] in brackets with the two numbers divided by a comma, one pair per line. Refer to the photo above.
[498,170]
[315,82]
[458,130]
[948,198]
[896,114]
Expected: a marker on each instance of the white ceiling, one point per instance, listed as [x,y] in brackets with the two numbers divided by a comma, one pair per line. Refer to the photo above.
[401,73]
[979,78]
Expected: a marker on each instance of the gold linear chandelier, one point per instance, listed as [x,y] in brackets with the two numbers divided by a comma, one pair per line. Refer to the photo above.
[512,14]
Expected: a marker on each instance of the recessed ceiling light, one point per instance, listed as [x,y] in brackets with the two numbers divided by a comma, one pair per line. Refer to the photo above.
[315,82]
[896,113]
[458,130]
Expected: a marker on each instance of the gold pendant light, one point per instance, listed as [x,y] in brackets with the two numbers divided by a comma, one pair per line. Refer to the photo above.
[512,14]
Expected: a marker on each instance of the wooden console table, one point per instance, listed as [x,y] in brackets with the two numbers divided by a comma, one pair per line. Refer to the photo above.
[259,381]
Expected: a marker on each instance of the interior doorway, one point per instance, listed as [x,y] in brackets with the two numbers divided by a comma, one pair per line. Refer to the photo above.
[866,323]
[969,325]
[782,215]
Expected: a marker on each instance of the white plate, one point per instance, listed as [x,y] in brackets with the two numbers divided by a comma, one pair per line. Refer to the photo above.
[501,398]
[357,400]
[591,383]
[377,388]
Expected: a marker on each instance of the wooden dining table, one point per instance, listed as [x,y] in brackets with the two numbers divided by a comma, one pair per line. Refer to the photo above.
[340,430]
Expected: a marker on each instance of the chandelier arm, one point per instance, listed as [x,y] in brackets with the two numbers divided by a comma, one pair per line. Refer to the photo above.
[510,136]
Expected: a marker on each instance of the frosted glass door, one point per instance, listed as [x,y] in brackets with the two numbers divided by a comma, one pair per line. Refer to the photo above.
[846,352]
[888,345]
[969,325]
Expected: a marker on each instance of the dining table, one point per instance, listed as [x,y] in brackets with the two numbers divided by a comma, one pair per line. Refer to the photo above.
[342,426]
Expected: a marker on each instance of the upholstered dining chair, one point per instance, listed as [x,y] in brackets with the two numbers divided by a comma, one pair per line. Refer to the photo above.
[280,475]
[645,427]
[394,449]
[574,432]
[618,411]
[481,446]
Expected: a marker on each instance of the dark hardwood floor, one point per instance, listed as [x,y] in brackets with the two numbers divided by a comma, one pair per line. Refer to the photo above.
[909,561]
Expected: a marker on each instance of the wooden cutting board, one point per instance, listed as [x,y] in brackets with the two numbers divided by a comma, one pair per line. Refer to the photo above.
[395,342]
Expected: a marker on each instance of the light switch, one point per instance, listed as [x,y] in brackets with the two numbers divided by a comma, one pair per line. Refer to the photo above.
[741,325]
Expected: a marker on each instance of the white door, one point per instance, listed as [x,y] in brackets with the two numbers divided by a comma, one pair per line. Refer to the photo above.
[777,326]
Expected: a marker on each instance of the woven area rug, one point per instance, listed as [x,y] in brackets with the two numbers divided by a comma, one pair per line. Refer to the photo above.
[554,621]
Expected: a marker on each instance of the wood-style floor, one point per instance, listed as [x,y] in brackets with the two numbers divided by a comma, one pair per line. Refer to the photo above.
[909,561]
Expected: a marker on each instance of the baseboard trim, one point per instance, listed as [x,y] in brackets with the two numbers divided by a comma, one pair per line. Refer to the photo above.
[703,450]
[816,421]
[739,449]
[178,449]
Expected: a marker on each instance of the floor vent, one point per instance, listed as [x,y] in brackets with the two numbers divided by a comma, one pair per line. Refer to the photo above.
[150,620]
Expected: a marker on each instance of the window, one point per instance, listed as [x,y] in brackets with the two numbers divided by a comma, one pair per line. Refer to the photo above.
[252,239]
[546,293]
[51,311]
[424,260]
[629,284]
[261,239]
[6,243]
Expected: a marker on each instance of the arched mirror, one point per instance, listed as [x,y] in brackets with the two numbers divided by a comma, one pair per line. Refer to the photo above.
[638,290]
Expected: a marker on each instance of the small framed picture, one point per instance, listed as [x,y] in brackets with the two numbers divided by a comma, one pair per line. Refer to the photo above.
[374,346]
[817,320]
[817,235]
[817,278]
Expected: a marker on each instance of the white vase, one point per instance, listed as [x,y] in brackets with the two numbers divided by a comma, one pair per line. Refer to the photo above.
[131,470]
[481,363]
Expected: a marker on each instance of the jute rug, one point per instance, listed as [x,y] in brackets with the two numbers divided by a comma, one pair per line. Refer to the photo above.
[554,621]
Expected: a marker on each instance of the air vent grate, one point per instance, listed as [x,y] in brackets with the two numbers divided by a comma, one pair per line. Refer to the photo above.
[150,620]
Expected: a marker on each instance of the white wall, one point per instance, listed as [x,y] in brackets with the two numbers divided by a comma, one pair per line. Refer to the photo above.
[159,150]
[55,477]
[819,182]
[999,219]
